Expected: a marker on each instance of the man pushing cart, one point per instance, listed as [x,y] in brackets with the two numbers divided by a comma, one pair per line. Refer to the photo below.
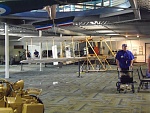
[124,61]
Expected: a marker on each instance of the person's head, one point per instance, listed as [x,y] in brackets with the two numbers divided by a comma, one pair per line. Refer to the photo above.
[124,47]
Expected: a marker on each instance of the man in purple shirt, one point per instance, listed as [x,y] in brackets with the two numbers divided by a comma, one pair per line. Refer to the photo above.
[124,58]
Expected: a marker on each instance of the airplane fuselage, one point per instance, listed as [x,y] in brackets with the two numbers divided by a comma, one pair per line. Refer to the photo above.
[18,6]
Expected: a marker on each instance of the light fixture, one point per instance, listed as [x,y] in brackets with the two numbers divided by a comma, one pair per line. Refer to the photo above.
[1,29]
[93,27]
[126,36]
[137,36]
[113,34]
[105,31]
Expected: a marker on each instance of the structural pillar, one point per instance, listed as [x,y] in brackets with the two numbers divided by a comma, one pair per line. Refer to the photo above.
[136,10]
[6,52]
[40,35]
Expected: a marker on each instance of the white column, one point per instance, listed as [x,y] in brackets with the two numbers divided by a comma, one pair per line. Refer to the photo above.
[6,52]
[54,52]
[40,35]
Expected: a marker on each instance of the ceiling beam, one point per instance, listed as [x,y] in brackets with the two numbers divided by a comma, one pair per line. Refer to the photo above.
[136,10]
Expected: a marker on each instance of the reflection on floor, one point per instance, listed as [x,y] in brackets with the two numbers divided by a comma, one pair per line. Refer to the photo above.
[95,92]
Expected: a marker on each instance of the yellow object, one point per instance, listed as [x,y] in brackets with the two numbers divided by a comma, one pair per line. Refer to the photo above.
[19,85]
[2,104]
[34,91]
[6,110]
[33,108]
[14,99]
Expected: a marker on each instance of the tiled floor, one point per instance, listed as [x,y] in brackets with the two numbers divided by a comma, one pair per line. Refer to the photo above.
[95,92]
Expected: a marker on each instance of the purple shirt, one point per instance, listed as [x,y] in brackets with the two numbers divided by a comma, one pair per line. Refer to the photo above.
[124,58]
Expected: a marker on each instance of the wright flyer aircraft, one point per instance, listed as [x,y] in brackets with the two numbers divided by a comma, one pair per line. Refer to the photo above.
[89,60]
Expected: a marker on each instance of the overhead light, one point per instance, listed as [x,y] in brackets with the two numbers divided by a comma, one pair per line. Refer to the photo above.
[93,27]
[105,31]
[1,29]
[120,9]
[137,36]
[126,36]
[113,34]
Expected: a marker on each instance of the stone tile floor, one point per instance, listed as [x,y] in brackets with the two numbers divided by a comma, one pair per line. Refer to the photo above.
[95,92]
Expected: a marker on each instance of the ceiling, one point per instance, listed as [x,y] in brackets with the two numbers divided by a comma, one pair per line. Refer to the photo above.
[118,24]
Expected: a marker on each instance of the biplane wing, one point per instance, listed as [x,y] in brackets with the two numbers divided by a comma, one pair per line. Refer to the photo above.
[50,23]
[49,60]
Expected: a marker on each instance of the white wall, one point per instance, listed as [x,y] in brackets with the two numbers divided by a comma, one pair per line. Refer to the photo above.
[12,51]
[115,45]
[133,46]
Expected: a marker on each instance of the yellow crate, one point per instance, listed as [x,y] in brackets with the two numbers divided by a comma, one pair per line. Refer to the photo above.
[33,108]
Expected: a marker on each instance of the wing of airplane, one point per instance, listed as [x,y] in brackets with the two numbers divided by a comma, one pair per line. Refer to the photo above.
[50,23]
[49,60]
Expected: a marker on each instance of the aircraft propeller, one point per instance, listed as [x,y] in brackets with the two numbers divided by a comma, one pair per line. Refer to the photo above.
[51,10]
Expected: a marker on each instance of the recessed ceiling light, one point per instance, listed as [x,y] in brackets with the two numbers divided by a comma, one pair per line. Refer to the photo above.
[1,29]
[112,34]
[105,31]
[92,27]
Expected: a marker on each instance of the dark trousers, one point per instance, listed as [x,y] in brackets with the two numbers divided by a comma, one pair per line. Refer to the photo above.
[125,70]
[126,76]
